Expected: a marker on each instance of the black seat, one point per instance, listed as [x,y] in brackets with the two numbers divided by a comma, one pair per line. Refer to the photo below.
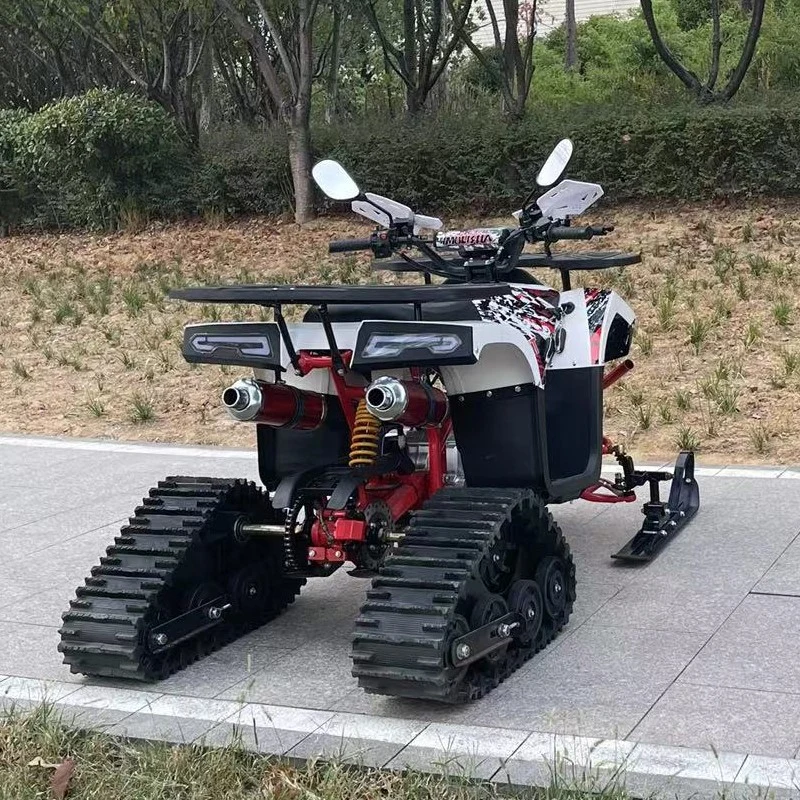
[404,312]
[400,312]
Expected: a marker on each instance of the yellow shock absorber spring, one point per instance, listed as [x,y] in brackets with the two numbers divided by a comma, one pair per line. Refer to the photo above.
[364,444]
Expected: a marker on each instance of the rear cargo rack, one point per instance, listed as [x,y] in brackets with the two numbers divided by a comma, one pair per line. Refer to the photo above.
[265,295]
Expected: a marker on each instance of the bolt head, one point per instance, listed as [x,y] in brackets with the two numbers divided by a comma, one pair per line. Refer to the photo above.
[312,553]
[463,651]
[531,613]
[252,591]
[160,639]
[337,553]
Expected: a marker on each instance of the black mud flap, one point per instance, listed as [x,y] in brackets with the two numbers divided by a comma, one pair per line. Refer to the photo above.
[662,521]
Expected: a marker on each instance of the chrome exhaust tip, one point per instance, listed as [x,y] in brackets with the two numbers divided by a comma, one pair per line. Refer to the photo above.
[243,399]
[386,398]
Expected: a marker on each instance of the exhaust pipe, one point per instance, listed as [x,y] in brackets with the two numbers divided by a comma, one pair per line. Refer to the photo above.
[275,404]
[406,402]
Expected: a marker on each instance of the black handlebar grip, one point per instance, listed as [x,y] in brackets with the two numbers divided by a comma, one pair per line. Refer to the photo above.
[349,245]
[556,232]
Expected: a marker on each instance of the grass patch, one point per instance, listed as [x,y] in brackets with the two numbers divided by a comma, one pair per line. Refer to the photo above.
[105,767]
[721,316]
[142,409]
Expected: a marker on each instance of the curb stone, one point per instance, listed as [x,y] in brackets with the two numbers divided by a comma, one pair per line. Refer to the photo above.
[519,758]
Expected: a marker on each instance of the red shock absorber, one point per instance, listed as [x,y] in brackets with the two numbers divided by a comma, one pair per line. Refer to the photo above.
[275,404]
[411,403]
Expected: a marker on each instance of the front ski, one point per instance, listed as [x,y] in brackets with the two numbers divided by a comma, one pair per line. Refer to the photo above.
[662,521]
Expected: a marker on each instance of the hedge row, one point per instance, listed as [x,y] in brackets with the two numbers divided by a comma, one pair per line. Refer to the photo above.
[85,161]
[470,163]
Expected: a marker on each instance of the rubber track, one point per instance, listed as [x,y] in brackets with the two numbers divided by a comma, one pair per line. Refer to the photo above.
[406,625]
[105,631]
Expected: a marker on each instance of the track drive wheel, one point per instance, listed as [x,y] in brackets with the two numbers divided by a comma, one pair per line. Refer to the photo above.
[178,582]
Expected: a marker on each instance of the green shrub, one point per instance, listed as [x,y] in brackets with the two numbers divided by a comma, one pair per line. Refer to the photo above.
[79,161]
[463,162]
[13,190]
[242,171]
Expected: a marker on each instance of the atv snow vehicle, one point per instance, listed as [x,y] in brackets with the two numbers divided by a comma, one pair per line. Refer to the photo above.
[417,432]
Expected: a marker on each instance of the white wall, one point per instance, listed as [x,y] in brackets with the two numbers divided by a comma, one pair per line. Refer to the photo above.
[549,15]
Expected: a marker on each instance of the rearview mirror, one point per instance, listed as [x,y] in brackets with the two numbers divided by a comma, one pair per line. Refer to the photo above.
[333,179]
[556,163]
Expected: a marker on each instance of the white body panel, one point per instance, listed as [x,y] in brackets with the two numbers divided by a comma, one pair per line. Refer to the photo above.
[616,305]
[576,352]
[587,332]
[505,356]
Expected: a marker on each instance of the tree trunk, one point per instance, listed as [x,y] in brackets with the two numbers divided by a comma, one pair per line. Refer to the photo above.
[299,133]
[410,64]
[332,87]
[571,55]
[206,87]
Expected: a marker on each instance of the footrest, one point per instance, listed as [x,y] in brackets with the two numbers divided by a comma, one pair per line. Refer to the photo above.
[664,520]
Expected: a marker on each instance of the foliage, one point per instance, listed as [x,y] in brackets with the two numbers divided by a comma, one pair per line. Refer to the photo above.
[82,160]
[458,162]
[108,767]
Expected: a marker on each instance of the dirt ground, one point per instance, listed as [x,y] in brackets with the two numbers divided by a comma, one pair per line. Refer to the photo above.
[90,346]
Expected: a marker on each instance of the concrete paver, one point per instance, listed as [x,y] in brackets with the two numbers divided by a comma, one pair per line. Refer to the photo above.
[361,739]
[783,577]
[660,666]
[736,720]
[758,647]
[477,752]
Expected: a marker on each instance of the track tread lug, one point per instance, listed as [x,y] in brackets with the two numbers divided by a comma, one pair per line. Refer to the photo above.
[105,630]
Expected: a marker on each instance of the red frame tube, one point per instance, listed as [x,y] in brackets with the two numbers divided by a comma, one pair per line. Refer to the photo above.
[613,375]
[593,495]
[402,493]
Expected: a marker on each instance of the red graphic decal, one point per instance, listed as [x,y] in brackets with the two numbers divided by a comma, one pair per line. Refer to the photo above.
[490,237]
[533,312]
[596,304]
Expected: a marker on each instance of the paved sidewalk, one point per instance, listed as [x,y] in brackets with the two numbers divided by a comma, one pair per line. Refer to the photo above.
[685,673]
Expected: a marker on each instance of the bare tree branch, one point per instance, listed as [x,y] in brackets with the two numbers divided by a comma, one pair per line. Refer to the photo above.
[716,44]
[705,92]
[686,76]
[748,51]
[277,41]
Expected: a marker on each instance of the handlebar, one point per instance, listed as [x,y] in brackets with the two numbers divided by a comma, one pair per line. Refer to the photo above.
[506,255]
[349,245]
[559,232]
